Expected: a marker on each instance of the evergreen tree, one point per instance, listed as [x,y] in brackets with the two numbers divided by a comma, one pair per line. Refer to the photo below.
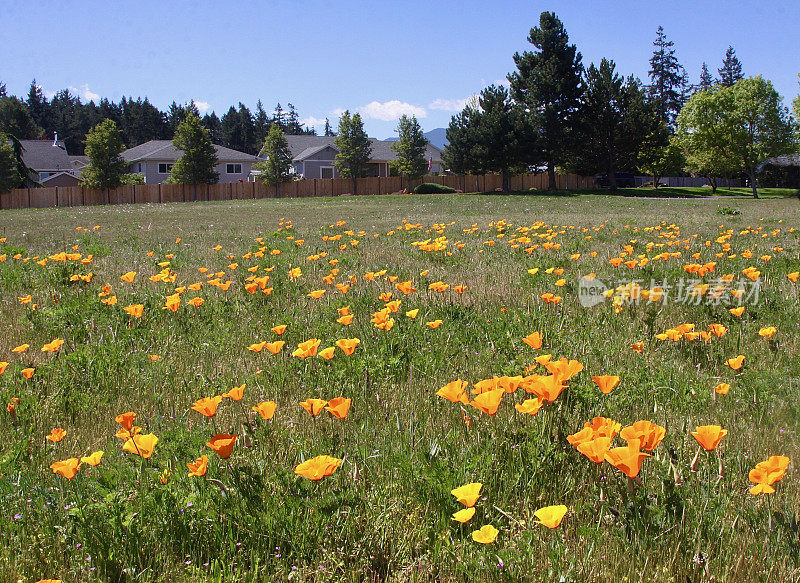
[328,129]
[293,125]
[279,118]
[197,163]
[106,166]
[548,83]
[731,70]
[212,123]
[668,83]
[248,131]
[261,124]
[16,121]
[3,92]
[706,80]
[354,148]
[68,118]
[10,176]
[276,167]
[461,139]
[38,106]
[410,148]
[616,119]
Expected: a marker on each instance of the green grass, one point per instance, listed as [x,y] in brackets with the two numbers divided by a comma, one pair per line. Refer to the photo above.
[385,513]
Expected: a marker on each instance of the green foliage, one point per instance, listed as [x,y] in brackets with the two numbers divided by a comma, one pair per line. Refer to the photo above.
[199,158]
[726,130]
[16,121]
[659,154]
[9,177]
[132,178]
[354,147]
[796,112]
[433,188]
[668,83]
[275,168]
[731,70]
[548,83]
[410,148]
[103,147]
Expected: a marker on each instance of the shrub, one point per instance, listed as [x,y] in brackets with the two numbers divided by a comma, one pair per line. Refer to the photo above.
[432,188]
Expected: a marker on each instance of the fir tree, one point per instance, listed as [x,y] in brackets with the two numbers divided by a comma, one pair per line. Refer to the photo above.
[261,124]
[328,129]
[16,121]
[354,148]
[706,80]
[9,167]
[731,70]
[213,125]
[199,158]
[410,148]
[548,83]
[37,105]
[279,118]
[106,165]
[667,79]
[277,164]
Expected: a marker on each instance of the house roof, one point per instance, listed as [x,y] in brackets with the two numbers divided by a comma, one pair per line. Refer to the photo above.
[302,147]
[163,150]
[45,155]
[44,182]
[781,161]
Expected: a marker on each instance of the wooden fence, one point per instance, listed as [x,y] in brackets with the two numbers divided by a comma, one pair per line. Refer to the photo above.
[22,198]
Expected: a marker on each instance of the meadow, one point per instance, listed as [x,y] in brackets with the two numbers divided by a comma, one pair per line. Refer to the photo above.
[476,363]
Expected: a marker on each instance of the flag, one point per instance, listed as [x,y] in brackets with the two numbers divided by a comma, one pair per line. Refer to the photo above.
[430,164]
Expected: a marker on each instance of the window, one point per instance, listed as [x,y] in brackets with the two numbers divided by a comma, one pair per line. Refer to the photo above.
[234,169]
[164,168]
[326,172]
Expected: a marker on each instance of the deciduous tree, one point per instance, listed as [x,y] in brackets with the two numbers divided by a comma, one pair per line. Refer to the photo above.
[354,148]
[410,148]
[277,163]
[106,166]
[199,158]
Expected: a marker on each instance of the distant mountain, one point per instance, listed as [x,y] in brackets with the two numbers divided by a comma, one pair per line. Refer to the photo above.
[437,137]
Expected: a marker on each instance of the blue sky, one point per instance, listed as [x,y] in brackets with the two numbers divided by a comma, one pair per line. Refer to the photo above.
[380,58]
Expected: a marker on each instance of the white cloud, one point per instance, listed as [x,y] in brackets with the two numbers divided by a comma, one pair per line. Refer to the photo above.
[338,112]
[448,104]
[202,106]
[390,110]
[312,121]
[85,93]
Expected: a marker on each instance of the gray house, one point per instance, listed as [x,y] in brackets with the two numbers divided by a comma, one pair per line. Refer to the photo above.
[51,164]
[313,156]
[155,158]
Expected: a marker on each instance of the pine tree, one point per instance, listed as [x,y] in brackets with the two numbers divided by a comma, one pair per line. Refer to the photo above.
[706,80]
[197,163]
[279,118]
[548,83]
[293,125]
[668,82]
[461,139]
[3,92]
[37,105]
[410,148]
[731,70]
[16,121]
[261,124]
[354,148]
[277,164]
[214,126]
[106,165]
[328,129]
[9,176]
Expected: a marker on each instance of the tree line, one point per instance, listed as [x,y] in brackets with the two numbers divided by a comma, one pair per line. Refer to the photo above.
[558,114]
[37,117]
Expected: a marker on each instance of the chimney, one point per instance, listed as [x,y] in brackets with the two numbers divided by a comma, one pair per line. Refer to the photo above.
[55,139]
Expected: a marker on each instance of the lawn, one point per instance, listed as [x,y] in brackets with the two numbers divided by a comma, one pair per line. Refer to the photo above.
[485,273]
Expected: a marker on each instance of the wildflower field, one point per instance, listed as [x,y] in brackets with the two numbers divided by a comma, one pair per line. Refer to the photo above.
[403,389]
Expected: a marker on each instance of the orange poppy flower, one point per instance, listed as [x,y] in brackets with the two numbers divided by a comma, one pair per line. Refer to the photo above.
[128,277]
[627,459]
[489,401]
[737,311]
[196,302]
[595,449]
[468,494]
[279,329]
[348,345]
[223,444]
[199,467]
[345,311]
[207,405]
[722,389]
[459,289]
[793,276]
[274,347]
[735,363]
[765,474]
[638,347]
[313,406]
[486,535]
[316,294]
[345,320]
[307,349]
[339,407]
[126,419]
[454,391]
[534,340]
[236,393]
[327,353]
[551,516]
[343,288]
[767,332]
[709,436]
[142,445]
[318,467]
[172,303]
[405,287]
[563,368]
[606,383]
[67,468]
[258,347]
[56,435]
[412,313]
[94,459]
[266,409]
[717,330]
[21,348]
[529,406]
[546,387]
[649,434]
[153,357]
[464,515]
[134,310]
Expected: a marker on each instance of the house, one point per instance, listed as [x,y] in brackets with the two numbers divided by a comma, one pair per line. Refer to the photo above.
[155,158]
[313,156]
[51,164]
